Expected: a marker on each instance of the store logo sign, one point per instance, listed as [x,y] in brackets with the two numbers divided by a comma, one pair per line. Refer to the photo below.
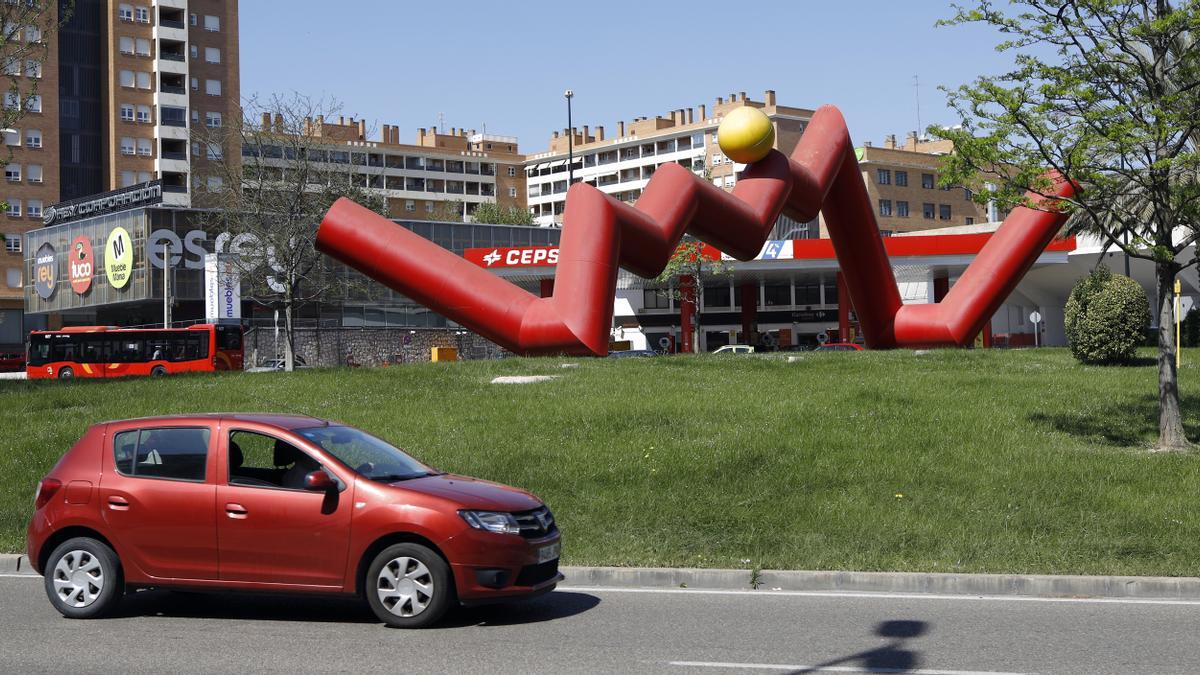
[45,271]
[118,257]
[81,264]
[516,256]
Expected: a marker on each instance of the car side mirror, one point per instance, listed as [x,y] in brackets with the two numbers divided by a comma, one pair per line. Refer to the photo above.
[319,481]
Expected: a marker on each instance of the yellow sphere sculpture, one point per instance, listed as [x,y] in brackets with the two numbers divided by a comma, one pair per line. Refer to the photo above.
[746,135]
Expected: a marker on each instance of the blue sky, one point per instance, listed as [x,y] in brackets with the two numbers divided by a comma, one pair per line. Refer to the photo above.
[506,64]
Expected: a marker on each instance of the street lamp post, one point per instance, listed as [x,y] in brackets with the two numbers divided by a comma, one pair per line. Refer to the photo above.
[570,140]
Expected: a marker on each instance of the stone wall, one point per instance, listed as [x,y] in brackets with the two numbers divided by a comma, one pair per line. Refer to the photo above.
[329,346]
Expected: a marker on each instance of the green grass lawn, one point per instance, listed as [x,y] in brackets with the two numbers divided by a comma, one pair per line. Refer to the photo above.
[974,461]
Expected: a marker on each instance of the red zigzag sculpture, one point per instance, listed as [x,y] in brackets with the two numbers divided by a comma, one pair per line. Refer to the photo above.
[600,233]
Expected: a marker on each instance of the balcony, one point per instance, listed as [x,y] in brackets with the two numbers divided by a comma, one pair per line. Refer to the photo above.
[172,89]
[172,23]
[166,154]
[172,187]
[172,56]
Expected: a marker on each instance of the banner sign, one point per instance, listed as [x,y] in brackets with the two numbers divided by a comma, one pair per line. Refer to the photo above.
[513,256]
[222,288]
[142,194]
[118,257]
[45,271]
[80,265]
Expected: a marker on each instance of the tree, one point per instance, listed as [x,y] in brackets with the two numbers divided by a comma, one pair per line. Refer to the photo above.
[1106,93]
[1106,317]
[684,276]
[275,176]
[25,29]
[493,213]
[450,211]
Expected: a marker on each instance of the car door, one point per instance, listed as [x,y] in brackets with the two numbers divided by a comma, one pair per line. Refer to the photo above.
[158,497]
[270,529]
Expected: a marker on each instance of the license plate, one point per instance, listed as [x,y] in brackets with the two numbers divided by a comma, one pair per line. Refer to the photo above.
[548,553]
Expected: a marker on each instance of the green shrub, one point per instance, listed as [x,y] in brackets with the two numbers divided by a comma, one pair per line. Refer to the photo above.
[1106,317]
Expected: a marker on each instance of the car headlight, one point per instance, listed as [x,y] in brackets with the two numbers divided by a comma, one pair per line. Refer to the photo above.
[492,521]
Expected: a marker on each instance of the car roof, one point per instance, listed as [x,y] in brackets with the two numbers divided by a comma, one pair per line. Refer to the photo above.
[280,421]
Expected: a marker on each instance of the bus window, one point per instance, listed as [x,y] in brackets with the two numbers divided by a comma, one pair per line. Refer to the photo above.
[39,350]
[229,337]
[127,350]
[64,348]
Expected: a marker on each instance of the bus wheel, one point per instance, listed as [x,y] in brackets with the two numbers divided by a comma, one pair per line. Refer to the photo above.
[158,371]
[65,373]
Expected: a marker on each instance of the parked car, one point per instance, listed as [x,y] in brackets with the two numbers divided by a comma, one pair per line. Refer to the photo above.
[279,502]
[632,354]
[275,365]
[735,349]
[11,362]
[839,347]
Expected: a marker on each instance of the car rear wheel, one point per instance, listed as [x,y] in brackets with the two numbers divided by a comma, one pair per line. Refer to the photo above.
[83,578]
[408,586]
[65,373]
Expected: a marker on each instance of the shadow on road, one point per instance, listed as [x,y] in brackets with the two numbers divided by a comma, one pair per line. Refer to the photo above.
[252,606]
[893,657]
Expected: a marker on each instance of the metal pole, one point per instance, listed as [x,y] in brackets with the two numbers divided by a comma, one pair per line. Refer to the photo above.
[166,286]
[570,141]
[1178,289]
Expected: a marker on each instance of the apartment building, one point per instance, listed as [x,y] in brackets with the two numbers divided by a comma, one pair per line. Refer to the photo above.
[622,165]
[430,179]
[902,181]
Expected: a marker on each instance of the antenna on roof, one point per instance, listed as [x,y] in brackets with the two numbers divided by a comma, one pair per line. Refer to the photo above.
[917,87]
[442,122]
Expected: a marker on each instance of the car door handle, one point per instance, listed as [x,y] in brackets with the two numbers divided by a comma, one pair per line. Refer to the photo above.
[118,503]
[236,511]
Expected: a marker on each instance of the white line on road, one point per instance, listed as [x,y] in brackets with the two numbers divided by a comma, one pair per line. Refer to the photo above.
[22,576]
[866,595]
[833,669]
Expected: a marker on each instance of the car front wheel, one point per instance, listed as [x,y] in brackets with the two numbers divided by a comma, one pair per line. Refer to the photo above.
[408,586]
[83,578]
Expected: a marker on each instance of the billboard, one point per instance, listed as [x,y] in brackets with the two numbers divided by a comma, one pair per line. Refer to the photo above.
[222,288]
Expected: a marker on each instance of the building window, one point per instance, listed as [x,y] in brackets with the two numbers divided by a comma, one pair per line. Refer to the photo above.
[12,100]
[512,192]
[142,15]
[927,211]
[944,211]
[655,299]
[12,67]
[126,78]
[126,45]
[212,87]
[902,209]
[885,207]
[195,116]
[33,173]
[12,173]
[33,138]
[14,278]
[428,207]
[127,146]
[12,137]
[212,55]
[143,47]
[716,296]
[125,12]
[777,295]
[143,113]
[212,120]
[214,152]
[128,178]
[214,183]
[212,24]
[14,207]
[126,112]
[901,179]
[34,209]
[33,68]
[512,171]
[144,177]
[195,51]
[967,194]
[143,80]
[33,34]
[192,19]
[410,205]
[12,243]
[927,181]
[883,176]
[970,220]
[144,147]
[195,84]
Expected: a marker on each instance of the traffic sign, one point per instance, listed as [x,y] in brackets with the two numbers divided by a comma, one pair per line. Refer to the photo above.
[1185,305]
[1035,317]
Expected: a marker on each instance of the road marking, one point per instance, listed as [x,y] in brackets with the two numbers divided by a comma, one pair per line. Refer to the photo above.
[867,595]
[22,576]
[834,669]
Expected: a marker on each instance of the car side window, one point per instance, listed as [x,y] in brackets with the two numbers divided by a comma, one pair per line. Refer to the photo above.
[260,460]
[176,453]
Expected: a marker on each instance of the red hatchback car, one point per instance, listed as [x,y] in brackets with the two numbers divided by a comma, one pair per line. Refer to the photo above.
[280,503]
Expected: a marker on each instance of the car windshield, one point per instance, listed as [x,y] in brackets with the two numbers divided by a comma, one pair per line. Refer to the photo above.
[369,456]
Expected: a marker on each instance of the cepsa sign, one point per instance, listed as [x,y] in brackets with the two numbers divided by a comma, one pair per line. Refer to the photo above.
[517,256]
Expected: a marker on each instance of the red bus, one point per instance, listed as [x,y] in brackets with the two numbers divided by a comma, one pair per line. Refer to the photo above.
[108,351]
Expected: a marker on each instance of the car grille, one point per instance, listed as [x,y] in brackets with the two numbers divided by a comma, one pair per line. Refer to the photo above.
[536,524]
[532,575]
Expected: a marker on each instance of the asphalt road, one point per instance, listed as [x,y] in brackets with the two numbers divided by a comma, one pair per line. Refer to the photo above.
[608,631]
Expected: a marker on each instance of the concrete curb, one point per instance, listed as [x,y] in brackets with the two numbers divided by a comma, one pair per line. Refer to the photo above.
[1032,585]
[12,563]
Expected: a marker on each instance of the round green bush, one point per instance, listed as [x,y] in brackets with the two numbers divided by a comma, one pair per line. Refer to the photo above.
[1106,317]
